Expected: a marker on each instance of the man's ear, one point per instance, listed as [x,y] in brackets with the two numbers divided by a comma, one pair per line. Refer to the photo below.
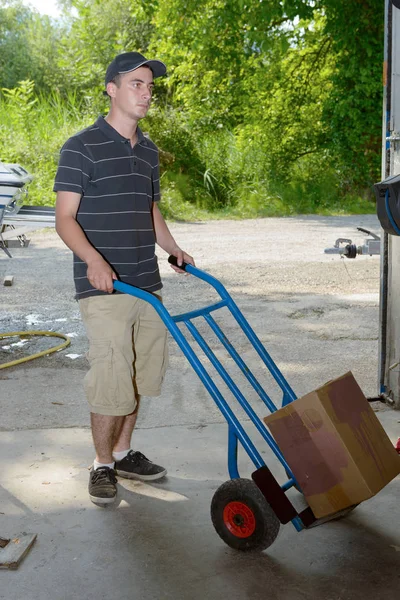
[111,87]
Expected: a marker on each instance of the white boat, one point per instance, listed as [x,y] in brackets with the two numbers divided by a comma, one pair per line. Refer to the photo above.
[13,181]
[17,218]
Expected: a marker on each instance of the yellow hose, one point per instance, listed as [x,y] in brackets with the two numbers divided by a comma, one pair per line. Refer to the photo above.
[32,356]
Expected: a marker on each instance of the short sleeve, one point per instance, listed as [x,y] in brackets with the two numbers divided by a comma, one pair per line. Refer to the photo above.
[74,168]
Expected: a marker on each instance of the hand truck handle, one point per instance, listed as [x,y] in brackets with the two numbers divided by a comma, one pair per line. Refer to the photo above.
[174,261]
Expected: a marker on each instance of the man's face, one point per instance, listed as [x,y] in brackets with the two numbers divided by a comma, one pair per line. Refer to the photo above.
[133,96]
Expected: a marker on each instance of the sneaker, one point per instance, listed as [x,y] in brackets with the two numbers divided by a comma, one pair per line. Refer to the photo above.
[136,466]
[102,485]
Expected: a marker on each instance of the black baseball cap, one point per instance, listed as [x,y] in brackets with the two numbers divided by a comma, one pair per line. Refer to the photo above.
[129,61]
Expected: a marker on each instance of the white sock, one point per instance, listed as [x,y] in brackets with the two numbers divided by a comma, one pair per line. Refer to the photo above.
[120,455]
[96,465]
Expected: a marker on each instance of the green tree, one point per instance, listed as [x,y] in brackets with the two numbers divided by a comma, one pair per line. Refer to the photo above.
[100,31]
[300,78]
[352,112]
[27,45]
[263,96]
[14,47]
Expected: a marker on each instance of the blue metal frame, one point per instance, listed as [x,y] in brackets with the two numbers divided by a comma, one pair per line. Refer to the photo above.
[236,431]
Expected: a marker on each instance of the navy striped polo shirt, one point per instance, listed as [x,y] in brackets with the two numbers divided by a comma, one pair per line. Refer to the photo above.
[118,185]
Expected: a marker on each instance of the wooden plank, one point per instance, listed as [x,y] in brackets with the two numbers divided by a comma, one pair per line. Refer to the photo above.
[8,280]
[16,549]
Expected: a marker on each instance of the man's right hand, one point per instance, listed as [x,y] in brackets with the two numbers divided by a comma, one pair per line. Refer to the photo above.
[101,275]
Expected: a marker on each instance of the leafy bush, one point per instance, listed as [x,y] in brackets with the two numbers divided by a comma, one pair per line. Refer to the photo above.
[32,132]
[218,174]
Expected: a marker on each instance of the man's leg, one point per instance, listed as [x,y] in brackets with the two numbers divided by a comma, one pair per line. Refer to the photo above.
[109,383]
[105,430]
[122,439]
[151,358]
[131,464]
[102,481]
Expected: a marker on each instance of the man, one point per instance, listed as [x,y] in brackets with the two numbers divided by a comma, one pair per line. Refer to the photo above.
[107,213]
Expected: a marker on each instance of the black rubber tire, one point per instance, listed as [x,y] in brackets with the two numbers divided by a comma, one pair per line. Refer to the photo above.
[266,524]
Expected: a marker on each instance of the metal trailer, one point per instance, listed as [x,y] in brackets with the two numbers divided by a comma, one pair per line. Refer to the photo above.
[389,309]
[246,513]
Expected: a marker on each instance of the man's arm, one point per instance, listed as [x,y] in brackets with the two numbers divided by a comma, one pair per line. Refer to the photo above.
[99,272]
[166,241]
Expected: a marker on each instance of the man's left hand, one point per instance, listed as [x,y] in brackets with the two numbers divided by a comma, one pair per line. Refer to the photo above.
[181,256]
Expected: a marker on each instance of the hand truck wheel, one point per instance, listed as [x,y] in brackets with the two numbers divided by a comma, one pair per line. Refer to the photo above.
[242,517]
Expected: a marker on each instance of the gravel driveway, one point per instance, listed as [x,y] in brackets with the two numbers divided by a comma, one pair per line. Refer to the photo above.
[316,313]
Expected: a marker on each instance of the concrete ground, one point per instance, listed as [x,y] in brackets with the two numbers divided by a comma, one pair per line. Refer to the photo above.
[318,317]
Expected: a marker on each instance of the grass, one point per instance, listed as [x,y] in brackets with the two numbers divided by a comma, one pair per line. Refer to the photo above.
[211,178]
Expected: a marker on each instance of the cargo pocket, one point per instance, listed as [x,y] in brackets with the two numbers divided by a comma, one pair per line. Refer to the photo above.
[152,360]
[99,383]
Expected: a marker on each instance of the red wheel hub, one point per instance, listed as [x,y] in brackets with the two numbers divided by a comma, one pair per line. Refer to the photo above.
[239,519]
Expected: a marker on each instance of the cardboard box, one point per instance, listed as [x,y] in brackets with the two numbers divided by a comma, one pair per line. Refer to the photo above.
[335,445]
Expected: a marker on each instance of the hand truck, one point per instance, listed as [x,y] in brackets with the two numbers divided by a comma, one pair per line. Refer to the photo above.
[246,513]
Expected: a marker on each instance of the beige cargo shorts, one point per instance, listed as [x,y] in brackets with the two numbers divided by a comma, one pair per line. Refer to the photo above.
[128,352]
